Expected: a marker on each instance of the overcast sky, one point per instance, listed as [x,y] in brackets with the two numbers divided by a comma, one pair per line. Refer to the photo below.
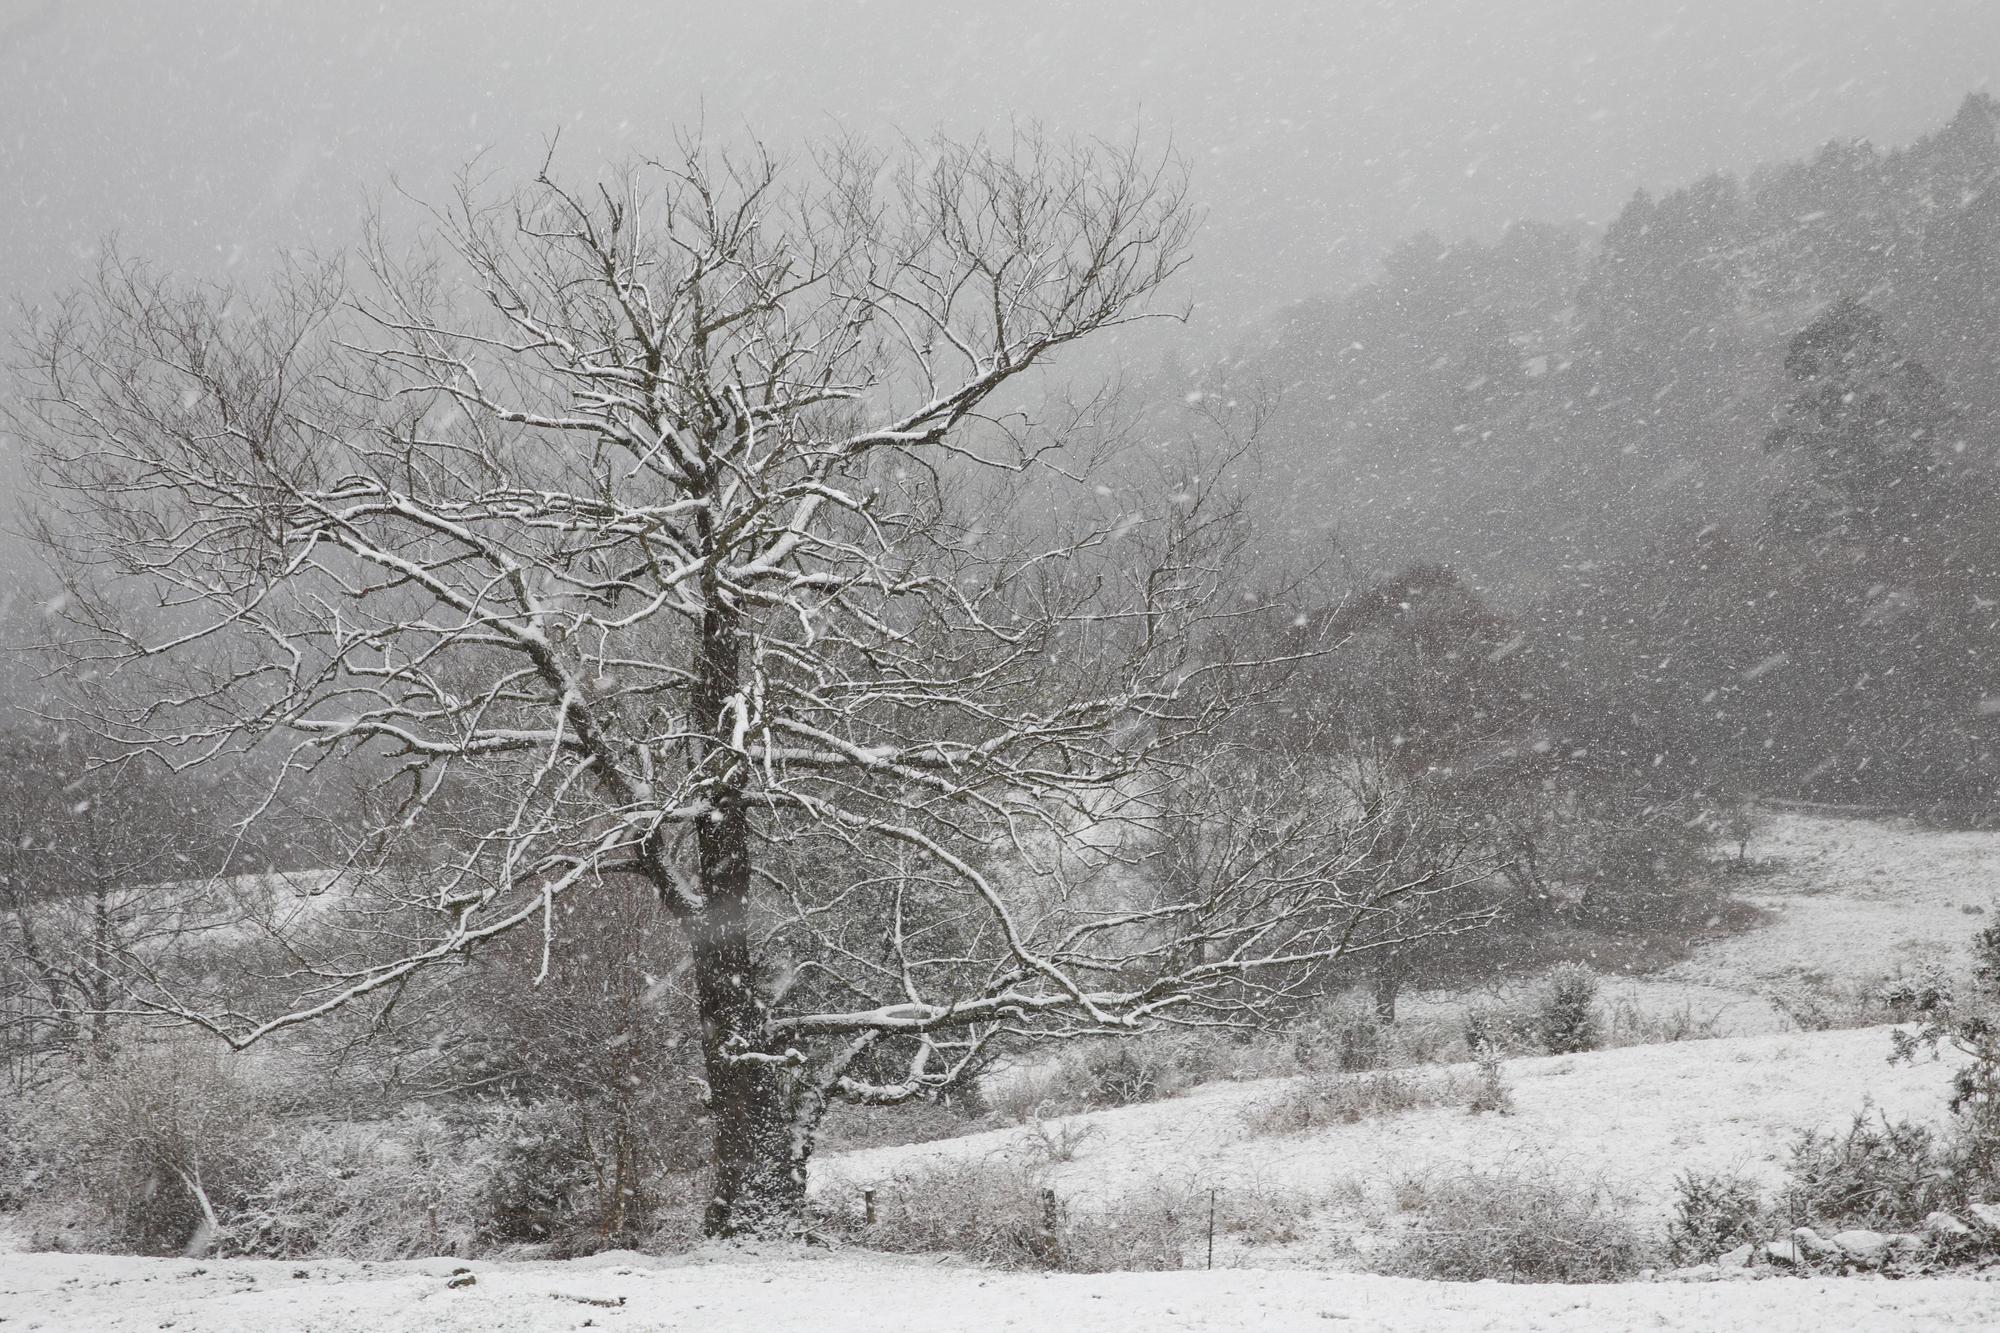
[209,131]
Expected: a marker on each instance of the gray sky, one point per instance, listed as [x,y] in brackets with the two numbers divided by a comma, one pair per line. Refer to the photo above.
[206,132]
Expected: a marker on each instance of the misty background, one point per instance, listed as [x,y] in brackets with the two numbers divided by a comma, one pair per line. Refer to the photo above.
[208,135]
[1424,240]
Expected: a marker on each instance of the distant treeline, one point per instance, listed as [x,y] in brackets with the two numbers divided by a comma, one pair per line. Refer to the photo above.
[1731,470]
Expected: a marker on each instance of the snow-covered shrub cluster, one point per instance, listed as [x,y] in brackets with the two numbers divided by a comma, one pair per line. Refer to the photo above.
[176,1146]
[1319,1100]
[1002,1212]
[150,1150]
[1125,1071]
[1566,1017]
[1714,1212]
[1512,1225]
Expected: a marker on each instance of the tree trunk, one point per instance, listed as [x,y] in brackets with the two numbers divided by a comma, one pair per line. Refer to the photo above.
[757,1158]
[1388,982]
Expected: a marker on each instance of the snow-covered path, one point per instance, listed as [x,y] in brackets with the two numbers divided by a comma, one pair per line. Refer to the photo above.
[845,1293]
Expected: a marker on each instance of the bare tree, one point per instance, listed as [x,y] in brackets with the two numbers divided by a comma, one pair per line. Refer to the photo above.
[636,531]
[101,869]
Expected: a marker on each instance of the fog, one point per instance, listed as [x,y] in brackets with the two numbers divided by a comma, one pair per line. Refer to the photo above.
[207,135]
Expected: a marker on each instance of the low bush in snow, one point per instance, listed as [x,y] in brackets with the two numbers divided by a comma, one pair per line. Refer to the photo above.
[1629,1023]
[148,1151]
[1125,1071]
[1507,1029]
[396,1190]
[1566,1013]
[1319,1100]
[1511,1225]
[1815,1003]
[1003,1213]
[1714,1212]
[1880,1173]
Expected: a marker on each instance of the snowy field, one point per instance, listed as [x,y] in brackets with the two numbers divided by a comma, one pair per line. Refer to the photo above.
[846,1293]
[1851,900]
[1630,1118]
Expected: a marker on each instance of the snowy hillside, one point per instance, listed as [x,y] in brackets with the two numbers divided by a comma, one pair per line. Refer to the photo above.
[1847,900]
[1630,1118]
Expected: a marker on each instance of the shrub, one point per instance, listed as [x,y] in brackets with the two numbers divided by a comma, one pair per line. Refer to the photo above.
[1631,1025]
[1498,1028]
[1348,1037]
[536,1165]
[1262,1214]
[147,1152]
[1003,1213]
[1491,1093]
[1511,1226]
[848,1126]
[1970,1024]
[1059,1140]
[1123,1071]
[1714,1212]
[1566,1017]
[1317,1101]
[400,1189]
[1814,1003]
[1880,1173]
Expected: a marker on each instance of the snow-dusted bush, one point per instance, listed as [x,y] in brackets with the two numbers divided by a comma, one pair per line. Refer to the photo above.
[1881,1173]
[1347,1037]
[849,1126]
[1967,1020]
[1714,1212]
[1632,1024]
[1816,1003]
[1320,1100]
[148,1151]
[399,1189]
[1566,1014]
[1490,1094]
[1501,1028]
[537,1165]
[1002,1212]
[1525,1225]
[1124,1071]
[989,1210]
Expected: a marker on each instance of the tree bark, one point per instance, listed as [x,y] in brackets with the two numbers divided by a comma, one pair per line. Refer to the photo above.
[1388,983]
[758,1162]
[757,1158]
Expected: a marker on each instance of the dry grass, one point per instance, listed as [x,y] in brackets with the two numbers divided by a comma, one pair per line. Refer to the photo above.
[1320,1100]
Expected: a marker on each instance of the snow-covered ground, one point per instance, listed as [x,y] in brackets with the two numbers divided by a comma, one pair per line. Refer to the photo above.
[1629,1118]
[1853,899]
[1846,901]
[848,1293]
[1850,901]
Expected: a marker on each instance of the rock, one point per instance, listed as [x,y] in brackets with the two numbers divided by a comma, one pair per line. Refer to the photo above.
[1784,1251]
[1813,1246]
[1862,1246]
[1986,1215]
[1737,1258]
[1946,1227]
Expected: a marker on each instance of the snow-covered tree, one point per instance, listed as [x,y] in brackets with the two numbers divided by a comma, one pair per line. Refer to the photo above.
[689,527]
